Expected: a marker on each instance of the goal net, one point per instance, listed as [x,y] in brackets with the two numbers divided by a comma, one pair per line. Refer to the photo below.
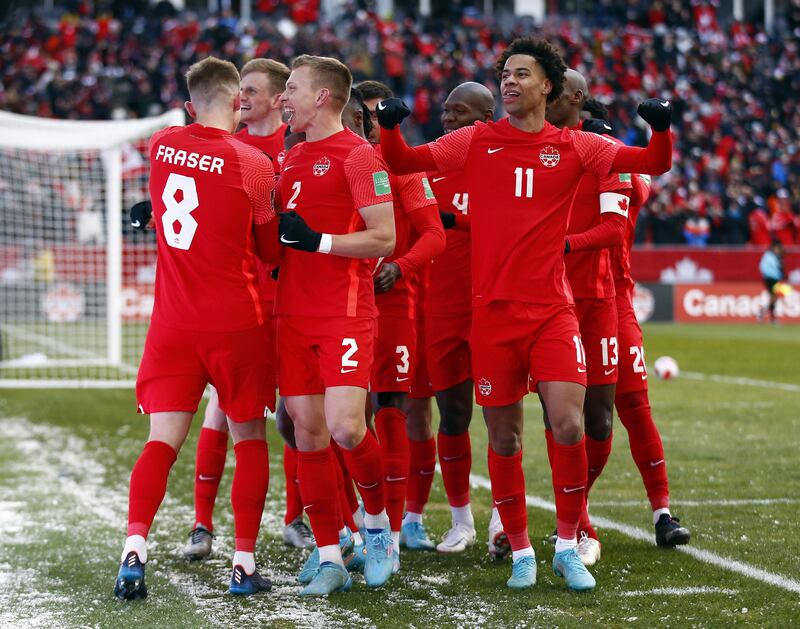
[76,281]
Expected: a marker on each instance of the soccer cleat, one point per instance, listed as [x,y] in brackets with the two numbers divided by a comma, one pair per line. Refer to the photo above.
[457,539]
[499,546]
[329,578]
[553,536]
[380,557]
[523,573]
[395,562]
[355,561]
[669,532]
[567,564]
[588,549]
[130,585]
[298,535]
[199,544]
[311,565]
[413,536]
[243,584]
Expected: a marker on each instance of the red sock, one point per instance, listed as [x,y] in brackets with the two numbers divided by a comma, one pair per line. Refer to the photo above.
[390,424]
[646,447]
[569,486]
[584,524]
[148,485]
[317,475]
[212,448]
[420,474]
[366,467]
[597,453]
[249,491]
[349,490]
[455,459]
[346,516]
[294,503]
[508,492]
[548,438]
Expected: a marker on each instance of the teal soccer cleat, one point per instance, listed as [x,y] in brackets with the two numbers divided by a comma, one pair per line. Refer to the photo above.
[567,564]
[329,578]
[380,557]
[523,573]
[311,565]
[413,536]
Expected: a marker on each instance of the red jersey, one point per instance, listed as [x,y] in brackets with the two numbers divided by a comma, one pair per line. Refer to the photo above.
[327,182]
[272,145]
[208,190]
[410,193]
[621,256]
[589,272]
[450,283]
[520,189]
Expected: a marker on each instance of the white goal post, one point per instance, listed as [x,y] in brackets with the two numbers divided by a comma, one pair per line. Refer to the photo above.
[76,282]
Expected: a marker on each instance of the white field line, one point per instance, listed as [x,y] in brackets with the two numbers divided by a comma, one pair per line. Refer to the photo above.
[702,503]
[739,381]
[681,591]
[647,536]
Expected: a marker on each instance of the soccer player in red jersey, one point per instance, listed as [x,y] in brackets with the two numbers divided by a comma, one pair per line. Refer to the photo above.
[211,198]
[448,313]
[419,238]
[521,172]
[632,401]
[337,201]
[598,203]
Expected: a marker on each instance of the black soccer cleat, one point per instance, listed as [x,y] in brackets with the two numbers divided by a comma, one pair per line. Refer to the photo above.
[670,533]
[243,584]
[130,585]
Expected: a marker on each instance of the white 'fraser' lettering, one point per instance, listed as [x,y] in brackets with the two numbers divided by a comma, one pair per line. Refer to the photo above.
[207,163]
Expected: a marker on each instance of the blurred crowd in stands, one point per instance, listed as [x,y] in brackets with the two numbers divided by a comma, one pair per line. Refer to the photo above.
[735,89]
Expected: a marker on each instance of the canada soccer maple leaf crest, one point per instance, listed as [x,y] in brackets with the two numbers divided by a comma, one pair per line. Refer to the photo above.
[549,156]
[321,166]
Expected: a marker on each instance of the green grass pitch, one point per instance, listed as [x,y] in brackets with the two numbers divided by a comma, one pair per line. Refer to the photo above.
[732,451]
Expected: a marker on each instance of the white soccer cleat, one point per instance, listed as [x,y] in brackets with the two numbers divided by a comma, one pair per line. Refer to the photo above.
[499,546]
[457,539]
[588,550]
[198,545]
[298,535]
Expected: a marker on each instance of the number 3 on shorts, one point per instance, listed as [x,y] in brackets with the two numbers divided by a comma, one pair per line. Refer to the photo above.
[348,364]
[179,211]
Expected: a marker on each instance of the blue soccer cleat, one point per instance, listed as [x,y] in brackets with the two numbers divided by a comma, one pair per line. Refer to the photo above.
[413,536]
[311,564]
[568,564]
[356,560]
[523,573]
[130,585]
[243,584]
[380,557]
[329,578]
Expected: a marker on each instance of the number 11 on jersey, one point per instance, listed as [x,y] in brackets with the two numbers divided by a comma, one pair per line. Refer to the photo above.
[527,175]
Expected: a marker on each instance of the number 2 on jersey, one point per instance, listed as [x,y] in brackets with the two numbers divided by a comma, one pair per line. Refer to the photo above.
[179,212]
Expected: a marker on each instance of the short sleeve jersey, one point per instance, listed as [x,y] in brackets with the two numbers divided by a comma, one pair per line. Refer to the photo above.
[327,182]
[520,188]
[450,284]
[589,272]
[208,191]
[410,193]
[273,146]
[621,256]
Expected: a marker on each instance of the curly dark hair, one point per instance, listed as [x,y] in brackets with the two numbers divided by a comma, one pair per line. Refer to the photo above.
[596,109]
[546,56]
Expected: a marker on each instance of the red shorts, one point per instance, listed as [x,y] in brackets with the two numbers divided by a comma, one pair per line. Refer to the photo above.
[632,368]
[515,342]
[315,353]
[597,319]
[447,350]
[420,379]
[395,355]
[177,365]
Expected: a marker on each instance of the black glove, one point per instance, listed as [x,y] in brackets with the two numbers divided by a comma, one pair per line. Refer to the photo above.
[274,273]
[657,113]
[595,125]
[141,213]
[391,112]
[448,219]
[567,247]
[295,233]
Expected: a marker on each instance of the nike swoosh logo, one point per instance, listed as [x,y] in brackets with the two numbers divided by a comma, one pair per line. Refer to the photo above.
[435,179]
[381,106]
[425,473]
[608,372]
[288,242]
[401,379]
[581,369]
[499,502]
[644,376]
[490,151]
[605,126]
[375,484]
[572,490]
[656,463]
[451,458]
[136,223]
[285,168]
[349,370]
[204,477]
[394,479]
[665,103]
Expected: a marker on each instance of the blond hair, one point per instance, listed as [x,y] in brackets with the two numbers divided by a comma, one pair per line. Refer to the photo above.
[212,79]
[276,72]
[330,73]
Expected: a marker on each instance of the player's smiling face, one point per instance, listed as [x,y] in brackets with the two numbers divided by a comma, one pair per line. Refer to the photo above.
[523,85]
[299,99]
[256,97]
[458,112]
